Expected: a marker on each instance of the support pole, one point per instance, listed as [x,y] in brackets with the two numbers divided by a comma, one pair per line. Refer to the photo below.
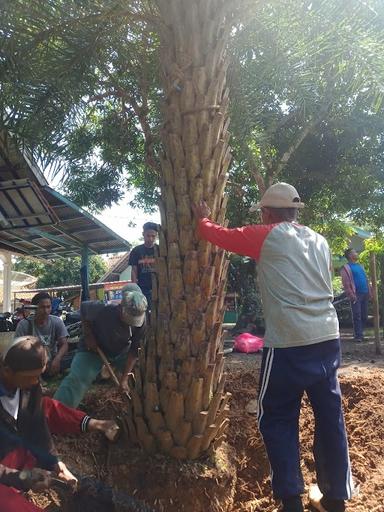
[7,281]
[375,298]
[84,273]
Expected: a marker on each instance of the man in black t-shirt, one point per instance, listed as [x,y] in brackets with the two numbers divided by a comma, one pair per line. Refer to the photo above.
[142,260]
[117,329]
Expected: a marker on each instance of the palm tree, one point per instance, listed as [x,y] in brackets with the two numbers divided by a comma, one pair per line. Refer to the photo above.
[179,405]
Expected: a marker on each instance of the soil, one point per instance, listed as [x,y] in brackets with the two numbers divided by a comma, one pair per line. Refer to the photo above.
[212,485]
[179,486]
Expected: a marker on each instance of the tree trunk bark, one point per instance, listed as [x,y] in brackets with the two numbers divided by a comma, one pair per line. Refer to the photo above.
[179,406]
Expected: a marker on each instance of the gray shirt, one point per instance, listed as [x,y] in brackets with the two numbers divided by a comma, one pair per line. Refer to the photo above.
[48,334]
[296,287]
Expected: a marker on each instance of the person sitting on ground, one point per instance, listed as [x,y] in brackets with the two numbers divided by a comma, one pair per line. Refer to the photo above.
[116,329]
[51,331]
[28,458]
[357,288]
[142,260]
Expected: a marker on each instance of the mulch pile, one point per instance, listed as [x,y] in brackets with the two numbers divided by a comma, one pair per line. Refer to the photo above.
[364,412]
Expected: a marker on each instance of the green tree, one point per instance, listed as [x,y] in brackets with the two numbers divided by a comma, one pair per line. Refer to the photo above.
[60,272]
[308,108]
[306,82]
[139,89]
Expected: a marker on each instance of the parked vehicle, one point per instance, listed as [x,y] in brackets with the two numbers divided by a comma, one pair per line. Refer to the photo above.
[6,323]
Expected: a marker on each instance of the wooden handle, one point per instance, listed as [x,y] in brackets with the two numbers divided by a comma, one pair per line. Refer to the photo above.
[111,371]
[109,367]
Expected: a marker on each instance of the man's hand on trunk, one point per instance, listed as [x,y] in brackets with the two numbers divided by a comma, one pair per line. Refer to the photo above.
[201,210]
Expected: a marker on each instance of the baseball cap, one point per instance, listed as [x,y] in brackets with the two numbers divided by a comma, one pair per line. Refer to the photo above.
[133,305]
[279,195]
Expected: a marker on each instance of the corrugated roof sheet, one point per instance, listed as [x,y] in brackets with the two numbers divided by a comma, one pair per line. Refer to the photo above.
[36,220]
[23,205]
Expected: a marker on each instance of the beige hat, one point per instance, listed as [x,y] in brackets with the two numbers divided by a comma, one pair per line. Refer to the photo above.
[133,305]
[279,195]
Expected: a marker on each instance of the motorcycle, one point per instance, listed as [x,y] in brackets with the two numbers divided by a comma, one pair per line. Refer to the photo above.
[6,323]
[343,309]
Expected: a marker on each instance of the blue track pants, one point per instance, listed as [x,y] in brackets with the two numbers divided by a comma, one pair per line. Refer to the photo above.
[286,374]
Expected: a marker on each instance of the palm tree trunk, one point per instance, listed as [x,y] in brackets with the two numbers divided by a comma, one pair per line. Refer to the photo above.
[179,406]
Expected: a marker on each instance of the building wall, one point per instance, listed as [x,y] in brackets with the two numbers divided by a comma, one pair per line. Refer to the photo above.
[126,274]
[357,243]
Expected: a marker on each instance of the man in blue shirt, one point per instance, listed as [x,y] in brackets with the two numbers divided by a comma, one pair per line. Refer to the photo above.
[357,288]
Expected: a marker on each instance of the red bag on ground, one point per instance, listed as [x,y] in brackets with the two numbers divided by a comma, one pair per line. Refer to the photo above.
[248,343]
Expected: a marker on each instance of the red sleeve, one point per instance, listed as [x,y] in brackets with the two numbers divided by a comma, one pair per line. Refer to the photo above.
[246,241]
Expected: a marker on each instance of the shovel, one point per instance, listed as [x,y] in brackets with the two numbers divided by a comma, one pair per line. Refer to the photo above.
[124,423]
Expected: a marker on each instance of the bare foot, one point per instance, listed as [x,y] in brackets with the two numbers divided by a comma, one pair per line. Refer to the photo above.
[315,496]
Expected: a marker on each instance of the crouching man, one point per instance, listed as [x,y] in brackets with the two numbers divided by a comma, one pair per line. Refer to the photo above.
[28,458]
[116,329]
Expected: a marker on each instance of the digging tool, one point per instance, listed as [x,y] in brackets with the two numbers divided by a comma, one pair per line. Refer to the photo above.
[111,371]
[124,424]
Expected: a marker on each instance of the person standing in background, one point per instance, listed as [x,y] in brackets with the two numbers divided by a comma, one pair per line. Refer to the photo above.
[357,288]
[142,260]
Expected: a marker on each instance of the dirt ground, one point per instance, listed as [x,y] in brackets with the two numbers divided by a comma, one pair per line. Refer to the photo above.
[362,382]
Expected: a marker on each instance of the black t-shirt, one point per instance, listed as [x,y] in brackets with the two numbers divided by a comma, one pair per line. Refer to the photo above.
[144,259]
[111,333]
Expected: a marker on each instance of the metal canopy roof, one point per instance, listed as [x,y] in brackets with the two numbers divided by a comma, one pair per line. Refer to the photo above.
[23,205]
[73,230]
[35,220]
